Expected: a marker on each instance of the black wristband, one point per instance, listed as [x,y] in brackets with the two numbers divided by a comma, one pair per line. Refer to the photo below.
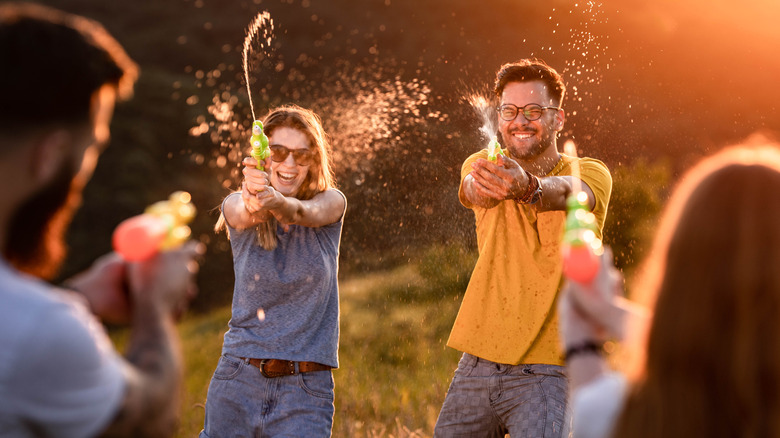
[589,347]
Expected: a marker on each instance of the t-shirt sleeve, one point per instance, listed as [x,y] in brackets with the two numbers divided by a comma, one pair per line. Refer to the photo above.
[70,381]
[464,171]
[596,175]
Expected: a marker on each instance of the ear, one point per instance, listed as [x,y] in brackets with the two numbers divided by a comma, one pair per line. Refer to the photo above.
[560,119]
[48,154]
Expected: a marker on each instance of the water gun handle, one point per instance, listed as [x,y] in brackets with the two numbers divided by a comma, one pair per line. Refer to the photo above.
[580,247]
[259,141]
[162,226]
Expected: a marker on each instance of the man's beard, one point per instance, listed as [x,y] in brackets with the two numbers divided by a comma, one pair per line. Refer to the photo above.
[530,151]
[36,235]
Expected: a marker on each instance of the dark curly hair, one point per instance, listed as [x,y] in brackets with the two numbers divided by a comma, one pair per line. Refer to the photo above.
[527,70]
[53,62]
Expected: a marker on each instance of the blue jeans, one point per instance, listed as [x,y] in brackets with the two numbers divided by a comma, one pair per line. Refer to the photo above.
[241,402]
[488,399]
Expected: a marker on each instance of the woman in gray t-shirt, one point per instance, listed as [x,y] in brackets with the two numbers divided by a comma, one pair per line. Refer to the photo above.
[274,376]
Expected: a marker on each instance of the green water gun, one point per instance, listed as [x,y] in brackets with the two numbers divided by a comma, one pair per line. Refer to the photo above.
[259,141]
[494,149]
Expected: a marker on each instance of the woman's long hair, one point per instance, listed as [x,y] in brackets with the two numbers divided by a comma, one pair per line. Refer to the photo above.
[712,364]
[320,176]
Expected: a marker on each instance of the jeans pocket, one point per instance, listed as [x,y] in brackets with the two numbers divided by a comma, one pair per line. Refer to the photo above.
[466,365]
[228,368]
[317,384]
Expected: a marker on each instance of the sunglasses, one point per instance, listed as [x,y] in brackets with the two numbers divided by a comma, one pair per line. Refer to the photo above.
[302,157]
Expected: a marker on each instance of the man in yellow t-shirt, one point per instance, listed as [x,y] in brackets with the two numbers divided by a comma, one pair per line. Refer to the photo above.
[511,377]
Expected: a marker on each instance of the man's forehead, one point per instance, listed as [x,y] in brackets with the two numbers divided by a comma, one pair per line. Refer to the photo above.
[535,89]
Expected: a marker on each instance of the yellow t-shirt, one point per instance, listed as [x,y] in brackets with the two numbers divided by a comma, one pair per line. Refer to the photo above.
[508,312]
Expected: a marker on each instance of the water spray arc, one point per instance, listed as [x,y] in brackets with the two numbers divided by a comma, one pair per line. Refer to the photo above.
[262,26]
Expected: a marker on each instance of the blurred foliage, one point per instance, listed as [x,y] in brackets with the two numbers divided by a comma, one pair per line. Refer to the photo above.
[638,195]
[447,268]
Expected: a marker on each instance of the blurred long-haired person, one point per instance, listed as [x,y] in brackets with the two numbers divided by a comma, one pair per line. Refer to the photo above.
[705,325]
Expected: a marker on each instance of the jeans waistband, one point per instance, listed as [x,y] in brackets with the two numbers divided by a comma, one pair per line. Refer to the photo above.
[533,368]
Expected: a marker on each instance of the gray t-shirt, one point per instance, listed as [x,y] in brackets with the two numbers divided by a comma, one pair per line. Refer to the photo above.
[286,301]
[59,374]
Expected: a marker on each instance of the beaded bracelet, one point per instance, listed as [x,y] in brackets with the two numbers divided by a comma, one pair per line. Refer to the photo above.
[534,186]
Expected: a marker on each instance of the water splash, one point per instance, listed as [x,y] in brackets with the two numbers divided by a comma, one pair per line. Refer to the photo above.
[226,124]
[570,149]
[262,26]
[486,111]
[580,33]
[384,123]
[367,110]
[588,53]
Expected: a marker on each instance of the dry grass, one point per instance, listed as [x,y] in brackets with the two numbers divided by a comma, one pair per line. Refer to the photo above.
[394,366]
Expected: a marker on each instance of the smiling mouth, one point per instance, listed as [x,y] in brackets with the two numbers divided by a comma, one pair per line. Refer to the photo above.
[522,135]
[286,177]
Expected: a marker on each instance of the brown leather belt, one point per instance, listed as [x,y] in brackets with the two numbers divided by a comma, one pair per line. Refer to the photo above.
[277,368]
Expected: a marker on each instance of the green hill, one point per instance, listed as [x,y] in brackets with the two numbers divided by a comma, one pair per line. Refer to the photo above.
[394,366]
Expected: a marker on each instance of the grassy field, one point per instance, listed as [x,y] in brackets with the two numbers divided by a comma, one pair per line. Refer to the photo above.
[394,366]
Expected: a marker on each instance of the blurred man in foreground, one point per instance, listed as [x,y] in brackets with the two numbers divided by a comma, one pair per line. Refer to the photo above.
[60,76]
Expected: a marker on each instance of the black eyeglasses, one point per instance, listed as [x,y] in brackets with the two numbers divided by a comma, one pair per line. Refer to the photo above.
[302,157]
[531,111]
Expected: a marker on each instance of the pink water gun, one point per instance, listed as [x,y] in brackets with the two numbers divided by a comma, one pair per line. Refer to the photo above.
[162,226]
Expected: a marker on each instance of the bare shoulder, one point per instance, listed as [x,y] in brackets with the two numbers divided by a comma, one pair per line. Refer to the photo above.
[334,198]
[334,202]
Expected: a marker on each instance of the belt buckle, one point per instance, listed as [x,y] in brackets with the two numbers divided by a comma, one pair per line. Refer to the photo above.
[273,375]
[262,369]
